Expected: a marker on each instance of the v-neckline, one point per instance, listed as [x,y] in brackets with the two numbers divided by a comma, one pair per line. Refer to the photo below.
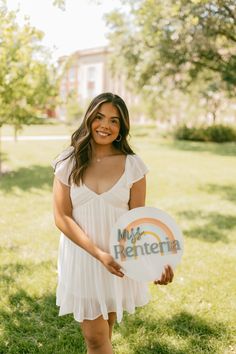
[113,186]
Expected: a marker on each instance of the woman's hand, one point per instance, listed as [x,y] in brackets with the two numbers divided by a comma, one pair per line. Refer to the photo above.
[111,265]
[166,277]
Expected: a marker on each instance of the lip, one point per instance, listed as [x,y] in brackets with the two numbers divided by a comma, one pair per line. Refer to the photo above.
[101,133]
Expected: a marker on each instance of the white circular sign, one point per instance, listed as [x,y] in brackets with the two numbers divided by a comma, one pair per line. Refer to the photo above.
[144,240]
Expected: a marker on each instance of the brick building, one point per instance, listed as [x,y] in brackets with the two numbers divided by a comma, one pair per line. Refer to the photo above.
[87,74]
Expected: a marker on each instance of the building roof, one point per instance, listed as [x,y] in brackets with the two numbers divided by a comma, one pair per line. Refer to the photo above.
[85,52]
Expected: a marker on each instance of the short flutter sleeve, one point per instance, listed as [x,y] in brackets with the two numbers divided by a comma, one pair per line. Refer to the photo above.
[62,168]
[136,169]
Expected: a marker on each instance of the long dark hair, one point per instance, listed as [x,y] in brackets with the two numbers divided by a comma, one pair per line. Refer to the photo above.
[81,138]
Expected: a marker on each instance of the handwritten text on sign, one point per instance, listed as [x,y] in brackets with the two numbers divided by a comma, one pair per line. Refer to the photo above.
[121,251]
[144,240]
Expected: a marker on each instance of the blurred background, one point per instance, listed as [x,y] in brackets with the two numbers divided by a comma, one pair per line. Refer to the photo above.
[174,64]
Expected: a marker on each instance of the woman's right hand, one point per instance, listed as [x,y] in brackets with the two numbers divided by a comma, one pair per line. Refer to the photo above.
[111,265]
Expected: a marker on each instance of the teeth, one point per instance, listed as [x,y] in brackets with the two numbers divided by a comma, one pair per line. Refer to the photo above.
[103,134]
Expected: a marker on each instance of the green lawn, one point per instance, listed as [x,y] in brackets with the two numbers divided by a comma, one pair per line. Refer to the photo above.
[194,182]
[40,129]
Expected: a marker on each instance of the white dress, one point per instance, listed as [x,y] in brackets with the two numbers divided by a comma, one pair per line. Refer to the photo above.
[85,287]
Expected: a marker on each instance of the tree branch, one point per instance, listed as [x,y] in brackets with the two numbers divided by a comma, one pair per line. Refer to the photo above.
[230,12]
[204,64]
[227,35]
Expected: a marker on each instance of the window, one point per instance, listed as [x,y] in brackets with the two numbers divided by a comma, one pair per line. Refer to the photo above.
[91,78]
[91,73]
[72,73]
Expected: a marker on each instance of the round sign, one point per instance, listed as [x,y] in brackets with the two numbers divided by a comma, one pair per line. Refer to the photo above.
[144,240]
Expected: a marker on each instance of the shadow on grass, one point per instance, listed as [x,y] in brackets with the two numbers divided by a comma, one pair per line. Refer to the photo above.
[227,192]
[35,176]
[11,271]
[223,149]
[195,334]
[30,324]
[212,227]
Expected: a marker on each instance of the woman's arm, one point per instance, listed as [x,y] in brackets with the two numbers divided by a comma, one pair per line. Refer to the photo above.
[138,194]
[62,208]
[137,199]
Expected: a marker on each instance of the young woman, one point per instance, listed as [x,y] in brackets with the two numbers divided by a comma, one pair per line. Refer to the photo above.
[97,179]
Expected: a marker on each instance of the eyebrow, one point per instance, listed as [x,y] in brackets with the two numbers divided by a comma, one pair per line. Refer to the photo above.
[104,115]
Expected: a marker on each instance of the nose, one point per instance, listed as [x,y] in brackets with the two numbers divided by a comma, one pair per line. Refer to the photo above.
[104,123]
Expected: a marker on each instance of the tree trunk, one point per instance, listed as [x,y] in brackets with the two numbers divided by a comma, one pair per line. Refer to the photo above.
[15,134]
[214,117]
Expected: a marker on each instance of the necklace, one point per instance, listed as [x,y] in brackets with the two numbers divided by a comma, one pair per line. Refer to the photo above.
[99,159]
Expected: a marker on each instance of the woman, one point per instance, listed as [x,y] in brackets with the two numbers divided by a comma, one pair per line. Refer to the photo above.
[97,179]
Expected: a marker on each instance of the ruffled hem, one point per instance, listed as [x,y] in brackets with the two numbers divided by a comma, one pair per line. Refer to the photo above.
[71,304]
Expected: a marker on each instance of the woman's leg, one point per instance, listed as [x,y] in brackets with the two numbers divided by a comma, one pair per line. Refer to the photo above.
[111,321]
[96,334]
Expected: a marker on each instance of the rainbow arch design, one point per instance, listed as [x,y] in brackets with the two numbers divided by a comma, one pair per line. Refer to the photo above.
[151,221]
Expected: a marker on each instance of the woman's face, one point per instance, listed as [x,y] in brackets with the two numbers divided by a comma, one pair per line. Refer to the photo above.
[106,125]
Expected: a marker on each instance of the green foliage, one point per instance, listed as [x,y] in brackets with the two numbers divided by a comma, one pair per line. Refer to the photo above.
[28,85]
[220,133]
[27,82]
[169,46]
[74,111]
[177,39]
[60,4]
[217,133]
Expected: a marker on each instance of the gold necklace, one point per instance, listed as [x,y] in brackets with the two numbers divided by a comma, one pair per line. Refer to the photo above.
[99,159]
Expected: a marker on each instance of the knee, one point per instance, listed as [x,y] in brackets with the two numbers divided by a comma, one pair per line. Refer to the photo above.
[95,339]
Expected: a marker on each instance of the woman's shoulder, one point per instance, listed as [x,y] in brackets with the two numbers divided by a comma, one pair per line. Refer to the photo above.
[136,163]
[135,158]
[63,156]
[136,168]
[63,165]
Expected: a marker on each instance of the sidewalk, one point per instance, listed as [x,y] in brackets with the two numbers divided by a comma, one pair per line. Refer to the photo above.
[36,137]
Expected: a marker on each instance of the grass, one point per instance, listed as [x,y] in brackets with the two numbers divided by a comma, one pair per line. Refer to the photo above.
[40,129]
[194,182]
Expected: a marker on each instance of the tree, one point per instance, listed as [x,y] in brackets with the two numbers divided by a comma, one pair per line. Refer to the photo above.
[27,83]
[74,111]
[60,4]
[174,44]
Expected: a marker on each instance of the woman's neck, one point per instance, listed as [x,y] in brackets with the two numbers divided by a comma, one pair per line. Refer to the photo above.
[100,151]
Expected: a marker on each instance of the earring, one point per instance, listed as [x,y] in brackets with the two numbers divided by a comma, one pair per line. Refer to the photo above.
[119,139]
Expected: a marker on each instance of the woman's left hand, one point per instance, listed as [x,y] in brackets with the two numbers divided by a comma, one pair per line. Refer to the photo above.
[166,277]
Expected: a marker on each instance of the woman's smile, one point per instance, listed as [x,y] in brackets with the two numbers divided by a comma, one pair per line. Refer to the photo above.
[101,133]
[105,127]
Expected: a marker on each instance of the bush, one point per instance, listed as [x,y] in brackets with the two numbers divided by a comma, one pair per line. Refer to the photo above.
[218,133]
[185,133]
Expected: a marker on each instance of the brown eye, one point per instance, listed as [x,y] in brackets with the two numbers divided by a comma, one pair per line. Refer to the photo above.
[115,121]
